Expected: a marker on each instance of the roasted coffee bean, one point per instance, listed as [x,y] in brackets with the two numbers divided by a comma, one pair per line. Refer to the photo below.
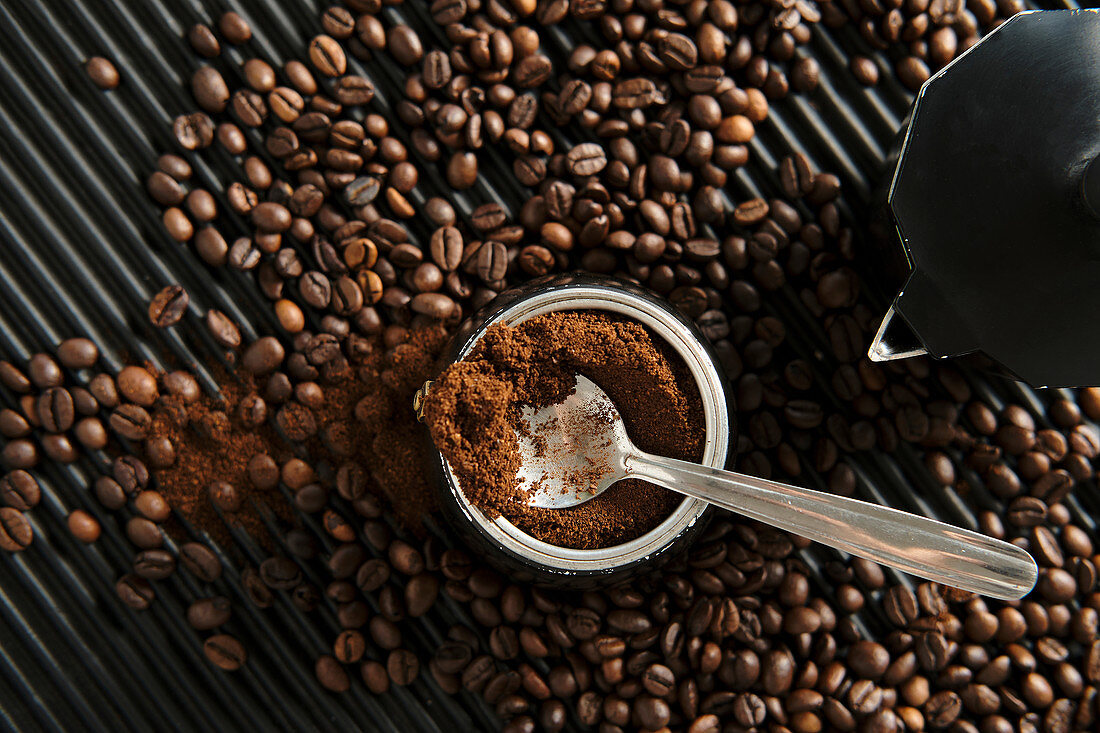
[271,217]
[658,680]
[234,28]
[134,591]
[452,657]
[20,453]
[84,526]
[901,606]
[349,647]
[15,531]
[222,329]
[12,378]
[868,659]
[55,410]
[131,422]
[403,42]
[296,421]
[200,562]
[59,448]
[225,652]
[462,170]
[102,72]
[19,490]
[280,573]
[403,667]
[375,677]
[43,372]
[130,474]
[164,189]
[84,401]
[168,306]
[864,70]
[209,89]
[362,190]
[532,71]
[504,643]
[13,425]
[144,533]
[154,564]
[138,386]
[492,261]
[805,75]
[385,633]
[434,305]
[536,260]
[109,493]
[331,675]
[194,131]
[405,558]
[354,90]
[263,355]
[1027,511]
[586,159]
[327,56]
[250,110]
[152,506]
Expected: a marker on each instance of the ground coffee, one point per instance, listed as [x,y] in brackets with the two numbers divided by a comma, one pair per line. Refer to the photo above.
[372,407]
[473,410]
[214,448]
[359,419]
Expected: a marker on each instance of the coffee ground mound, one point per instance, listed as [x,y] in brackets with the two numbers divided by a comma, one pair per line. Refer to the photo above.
[473,411]
[373,408]
[212,445]
[364,418]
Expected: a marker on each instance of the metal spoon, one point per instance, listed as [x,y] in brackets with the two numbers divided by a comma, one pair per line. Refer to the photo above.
[575,450]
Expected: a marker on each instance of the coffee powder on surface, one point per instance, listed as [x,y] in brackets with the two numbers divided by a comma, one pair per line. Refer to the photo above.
[473,410]
[213,447]
[364,418]
[374,407]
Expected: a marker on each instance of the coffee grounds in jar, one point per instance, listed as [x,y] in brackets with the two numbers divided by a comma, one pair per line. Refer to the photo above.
[474,407]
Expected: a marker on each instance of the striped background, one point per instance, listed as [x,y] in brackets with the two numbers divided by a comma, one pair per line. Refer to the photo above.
[82,251]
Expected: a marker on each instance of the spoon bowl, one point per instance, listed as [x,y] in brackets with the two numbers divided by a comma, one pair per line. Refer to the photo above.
[570,452]
[573,451]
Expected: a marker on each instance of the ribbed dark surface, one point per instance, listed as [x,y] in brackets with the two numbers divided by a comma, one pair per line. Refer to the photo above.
[81,252]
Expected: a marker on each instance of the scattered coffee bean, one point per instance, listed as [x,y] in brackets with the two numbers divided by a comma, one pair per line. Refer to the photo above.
[19,490]
[225,652]
[168,306]
[209,613]
[209,89]
[102,72]
[135,592]
[77,353]
[234,28]
[15,531]
[83,526]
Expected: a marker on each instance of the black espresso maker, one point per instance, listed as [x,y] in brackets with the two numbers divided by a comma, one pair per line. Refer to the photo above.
[996,201]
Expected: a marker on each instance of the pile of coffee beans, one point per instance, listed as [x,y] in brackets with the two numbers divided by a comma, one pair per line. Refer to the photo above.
[509,153]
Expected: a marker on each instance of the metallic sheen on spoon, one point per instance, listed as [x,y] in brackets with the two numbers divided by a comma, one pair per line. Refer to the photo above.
[575,450]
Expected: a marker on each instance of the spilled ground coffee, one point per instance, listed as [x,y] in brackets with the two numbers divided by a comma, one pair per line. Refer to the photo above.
[474,408]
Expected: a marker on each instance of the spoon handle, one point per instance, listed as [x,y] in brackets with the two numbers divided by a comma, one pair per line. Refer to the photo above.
[924,547]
